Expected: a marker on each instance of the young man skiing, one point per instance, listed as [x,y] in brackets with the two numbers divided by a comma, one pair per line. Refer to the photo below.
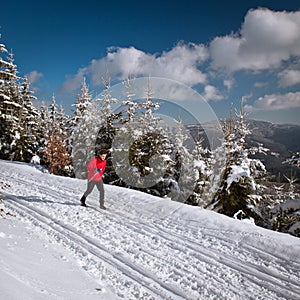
[96,168]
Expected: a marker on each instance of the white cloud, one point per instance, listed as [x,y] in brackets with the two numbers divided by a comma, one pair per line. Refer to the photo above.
[34,76]
[74,82]
[289,78]
[275,102]
[229,83]
[181,63]
[260,84]
[266,39]
[212,93]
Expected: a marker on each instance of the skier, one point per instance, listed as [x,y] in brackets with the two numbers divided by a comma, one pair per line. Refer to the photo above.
[96,168]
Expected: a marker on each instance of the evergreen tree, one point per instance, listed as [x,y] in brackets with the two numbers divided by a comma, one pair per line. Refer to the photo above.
[239,194]
[17,114]
[95,130]
[10,108]
[107,117]
[108,121]
[202,166]
[140,145]
[147,137]
[4,98]
[82,130]
[183,173]
[82,103]
[56,154]
[282,211]
[27,145]
[130,106]
[43,129]
[294,160]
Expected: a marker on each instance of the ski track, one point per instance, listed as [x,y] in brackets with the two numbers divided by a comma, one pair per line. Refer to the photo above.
[207,264]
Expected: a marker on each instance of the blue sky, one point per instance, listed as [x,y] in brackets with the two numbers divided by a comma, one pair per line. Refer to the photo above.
[225,50]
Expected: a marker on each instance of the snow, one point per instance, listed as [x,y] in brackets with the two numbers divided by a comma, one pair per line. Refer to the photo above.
[4,96]
[142,247]
[239,171]
[35,160]
[293,205]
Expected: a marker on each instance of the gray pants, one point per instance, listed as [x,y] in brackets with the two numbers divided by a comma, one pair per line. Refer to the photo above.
[100,187]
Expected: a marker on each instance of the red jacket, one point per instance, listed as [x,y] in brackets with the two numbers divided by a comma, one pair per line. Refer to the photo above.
[96,164]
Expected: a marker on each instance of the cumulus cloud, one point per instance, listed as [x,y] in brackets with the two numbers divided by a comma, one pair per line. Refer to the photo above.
[181,63]
[212,93]
[260,84]
[275,102]
[228,83]
[34,76]
[266,39]
[289,78]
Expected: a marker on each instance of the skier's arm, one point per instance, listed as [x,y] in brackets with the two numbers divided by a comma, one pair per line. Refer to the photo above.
[92,165]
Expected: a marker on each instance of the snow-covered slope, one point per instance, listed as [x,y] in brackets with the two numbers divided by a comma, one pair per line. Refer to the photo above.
[142,247]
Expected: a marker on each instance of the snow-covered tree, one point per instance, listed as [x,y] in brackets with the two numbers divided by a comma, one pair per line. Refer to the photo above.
[185,167]
[10,107]
[239,193]
[27,145]
[285,217]
[95,129]
[141,145]
[82,103]
[81,125]
[56,152]
[130,107]
[106,116]
[147,135]
[283,209]
[294,160]
[17,114]
[202,165]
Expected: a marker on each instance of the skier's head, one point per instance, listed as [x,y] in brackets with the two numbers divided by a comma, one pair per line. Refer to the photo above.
[102,153]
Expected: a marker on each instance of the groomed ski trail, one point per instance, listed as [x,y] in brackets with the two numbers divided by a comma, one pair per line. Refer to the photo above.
[144,256]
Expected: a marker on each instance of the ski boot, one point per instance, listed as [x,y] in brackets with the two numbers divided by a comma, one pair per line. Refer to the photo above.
[82,201]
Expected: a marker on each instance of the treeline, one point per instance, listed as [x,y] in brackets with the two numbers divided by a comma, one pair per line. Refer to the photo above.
[150,157]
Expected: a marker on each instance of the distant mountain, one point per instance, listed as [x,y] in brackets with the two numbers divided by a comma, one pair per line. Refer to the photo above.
[281,139]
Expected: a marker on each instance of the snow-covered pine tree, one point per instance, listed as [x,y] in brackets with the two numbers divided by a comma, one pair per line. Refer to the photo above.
[141,148]
[43,129]
[106,124]
[283,210]
[201,164]
[294,160]
[145,131]
[82,103]
[108,118]
[291,193]
[147,136]
[95,129]
[80,140]
[130,107]
[4,97]
[184,171]
[166,149]
[128,117]
[239,193]
[56,154]
[27,145]
[10,108]
[17,113]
